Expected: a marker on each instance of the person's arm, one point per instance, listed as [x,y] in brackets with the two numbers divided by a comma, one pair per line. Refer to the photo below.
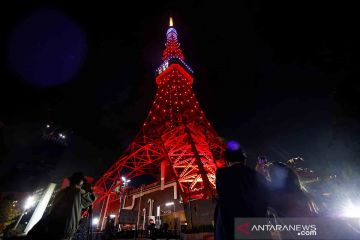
[87,198]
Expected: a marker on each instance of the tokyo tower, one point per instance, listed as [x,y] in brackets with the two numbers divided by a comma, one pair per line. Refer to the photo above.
[176,141]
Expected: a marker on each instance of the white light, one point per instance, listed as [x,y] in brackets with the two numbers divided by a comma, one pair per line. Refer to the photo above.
[95,221]
[30,201]
[351,211]
[41,207]
[112,215]
[47,126]
[125,180]
[169,204]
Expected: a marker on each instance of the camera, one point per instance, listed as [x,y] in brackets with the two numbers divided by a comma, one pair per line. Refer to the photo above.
[87,186]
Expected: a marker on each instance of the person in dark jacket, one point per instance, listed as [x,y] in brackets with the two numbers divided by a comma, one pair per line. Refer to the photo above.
[152,230]
[288,197]
[64,218]
[165,228]
[242,192]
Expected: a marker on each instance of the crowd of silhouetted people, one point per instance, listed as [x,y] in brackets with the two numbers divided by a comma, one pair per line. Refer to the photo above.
[244,192]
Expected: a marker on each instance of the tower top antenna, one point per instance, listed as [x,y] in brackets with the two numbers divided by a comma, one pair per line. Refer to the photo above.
[171,23]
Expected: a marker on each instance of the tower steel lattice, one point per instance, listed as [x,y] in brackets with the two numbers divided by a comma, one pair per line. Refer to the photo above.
[175,136]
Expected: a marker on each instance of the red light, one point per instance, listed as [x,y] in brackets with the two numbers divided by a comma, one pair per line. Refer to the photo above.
[196,174]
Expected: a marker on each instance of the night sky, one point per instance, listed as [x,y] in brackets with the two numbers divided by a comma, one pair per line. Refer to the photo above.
[281,78]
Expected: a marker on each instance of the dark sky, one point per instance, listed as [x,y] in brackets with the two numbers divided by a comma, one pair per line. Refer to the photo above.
[282,78]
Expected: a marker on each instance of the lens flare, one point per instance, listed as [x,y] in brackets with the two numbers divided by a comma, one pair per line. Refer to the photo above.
[352,211]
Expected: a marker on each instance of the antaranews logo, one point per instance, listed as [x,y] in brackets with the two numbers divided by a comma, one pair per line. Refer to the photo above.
[244,228]
[299,229]
[262,228]
[325,228]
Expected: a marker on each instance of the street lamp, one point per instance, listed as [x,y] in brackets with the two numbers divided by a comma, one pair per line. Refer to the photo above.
[30,201]
[125,181]
[168,204]
[95,221]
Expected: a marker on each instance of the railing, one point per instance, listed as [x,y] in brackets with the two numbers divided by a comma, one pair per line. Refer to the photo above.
[129,234]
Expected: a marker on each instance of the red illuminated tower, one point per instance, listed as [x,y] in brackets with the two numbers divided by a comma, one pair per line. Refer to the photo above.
[176,138]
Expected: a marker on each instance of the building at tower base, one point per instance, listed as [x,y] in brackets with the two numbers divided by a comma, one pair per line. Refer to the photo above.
[160,204]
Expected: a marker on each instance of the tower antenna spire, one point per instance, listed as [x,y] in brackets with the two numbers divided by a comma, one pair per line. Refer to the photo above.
[172,46]
[171,23]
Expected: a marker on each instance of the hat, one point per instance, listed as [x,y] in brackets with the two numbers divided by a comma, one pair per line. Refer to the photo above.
[76,177]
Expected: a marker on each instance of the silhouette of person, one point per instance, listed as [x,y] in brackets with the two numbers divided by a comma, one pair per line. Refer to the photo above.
[242,192]
[165,228]
[288,197]
[151,228]
[64,218]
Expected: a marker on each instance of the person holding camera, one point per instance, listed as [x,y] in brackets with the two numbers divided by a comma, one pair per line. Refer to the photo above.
[242,193]
[65,215]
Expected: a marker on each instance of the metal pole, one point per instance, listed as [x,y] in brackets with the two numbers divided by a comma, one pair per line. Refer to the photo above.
[191,223]
[123,188]
[175,223]
[121,196]
[19,220]
[105,212]
[138,216]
